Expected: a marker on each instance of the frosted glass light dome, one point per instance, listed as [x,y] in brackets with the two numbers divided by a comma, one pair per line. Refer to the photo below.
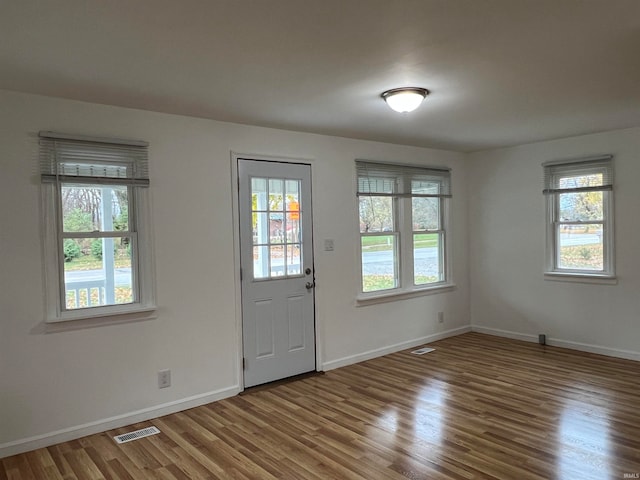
[404,100]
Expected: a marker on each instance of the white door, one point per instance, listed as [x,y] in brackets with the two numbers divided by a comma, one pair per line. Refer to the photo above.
[277,270]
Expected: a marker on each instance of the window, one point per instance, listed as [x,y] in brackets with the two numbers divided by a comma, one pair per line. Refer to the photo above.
[277,240]
[95,213]
[580,217]
[403,227]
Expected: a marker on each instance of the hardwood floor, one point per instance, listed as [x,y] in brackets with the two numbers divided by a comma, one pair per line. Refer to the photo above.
[478,407]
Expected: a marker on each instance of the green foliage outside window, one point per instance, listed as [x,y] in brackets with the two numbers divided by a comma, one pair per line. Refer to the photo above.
[71,250]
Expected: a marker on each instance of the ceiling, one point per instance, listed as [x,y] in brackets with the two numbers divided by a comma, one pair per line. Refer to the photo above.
[501,72]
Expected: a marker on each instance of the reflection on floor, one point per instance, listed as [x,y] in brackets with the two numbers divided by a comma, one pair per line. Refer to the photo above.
[478,407]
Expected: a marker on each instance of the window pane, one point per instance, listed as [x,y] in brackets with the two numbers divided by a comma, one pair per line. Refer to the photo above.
[580,247]
[258,185]
[581,181]
[376,214]
[379,262]
[260,262]
[292,193]
[260,229]
[427,261]
[425,213]
[276,254]
[97,271]
[259,194]
[371,184]
[83,209]
[581,207]
[276,224]
[293,259]
[293,212]
[276,195]
[423,187]
[276,228]
[293,234]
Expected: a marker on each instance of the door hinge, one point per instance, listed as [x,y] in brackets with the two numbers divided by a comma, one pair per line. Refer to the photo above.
[244,363]
[240,274]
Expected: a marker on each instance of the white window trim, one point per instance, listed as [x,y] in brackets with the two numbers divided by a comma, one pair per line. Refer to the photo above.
[552,271]
[407,288]
[588,279]
[53,280]
[383,296]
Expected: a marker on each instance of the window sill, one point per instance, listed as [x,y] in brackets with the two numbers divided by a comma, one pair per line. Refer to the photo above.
[590,278]
[363,300]
[87,318]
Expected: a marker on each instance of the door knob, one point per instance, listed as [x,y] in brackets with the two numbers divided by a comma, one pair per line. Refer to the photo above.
[310,285]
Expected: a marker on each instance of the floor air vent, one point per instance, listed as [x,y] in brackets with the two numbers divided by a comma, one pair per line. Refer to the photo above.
[127,437]
[422,351]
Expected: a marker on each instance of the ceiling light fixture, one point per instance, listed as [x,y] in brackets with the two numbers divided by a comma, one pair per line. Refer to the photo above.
[404,100]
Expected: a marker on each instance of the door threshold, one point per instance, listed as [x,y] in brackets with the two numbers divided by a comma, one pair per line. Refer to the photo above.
[282,381]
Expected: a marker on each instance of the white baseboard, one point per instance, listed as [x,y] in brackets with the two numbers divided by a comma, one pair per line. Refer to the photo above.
[557,342]
[72,433]
[361,357]
[505,333]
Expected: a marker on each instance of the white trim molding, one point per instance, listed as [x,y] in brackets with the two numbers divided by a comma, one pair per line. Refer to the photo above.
[379,352]
[66,434]
[557,342]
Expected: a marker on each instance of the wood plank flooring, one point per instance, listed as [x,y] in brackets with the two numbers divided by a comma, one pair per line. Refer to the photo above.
[478,407]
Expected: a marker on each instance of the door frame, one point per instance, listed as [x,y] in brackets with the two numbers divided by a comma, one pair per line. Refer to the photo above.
[235,191]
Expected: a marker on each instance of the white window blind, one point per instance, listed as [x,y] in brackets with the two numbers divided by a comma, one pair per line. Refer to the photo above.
[394,180]
[96,160]
[591,174]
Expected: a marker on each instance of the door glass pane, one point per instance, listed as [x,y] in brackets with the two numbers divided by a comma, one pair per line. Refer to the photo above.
[260,228]
[293,231]
[581,247]
[276,227]
[276,259]
[293,191]
[276,195]
[260,262]
[293,259]
[258,185]
[94,208]
[427,258]
[379,262]
[259,194]
[97,271]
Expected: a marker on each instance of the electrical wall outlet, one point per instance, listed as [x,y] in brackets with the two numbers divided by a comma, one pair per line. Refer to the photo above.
[440,317]
[164,378]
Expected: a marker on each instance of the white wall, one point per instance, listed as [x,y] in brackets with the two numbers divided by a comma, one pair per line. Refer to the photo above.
[60,385]
[509,295]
